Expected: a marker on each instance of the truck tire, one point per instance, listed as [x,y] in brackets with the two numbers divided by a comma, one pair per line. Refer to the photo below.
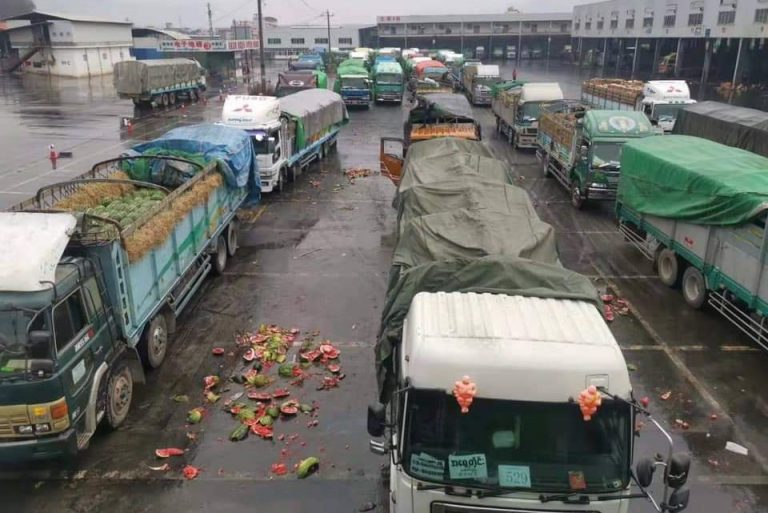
[694,288]
[153,345]
[293,172]
[577,200]
[172,98]
[668,268]
[220,256]
[193,95]
[119,396]
[232,238]
[164,100]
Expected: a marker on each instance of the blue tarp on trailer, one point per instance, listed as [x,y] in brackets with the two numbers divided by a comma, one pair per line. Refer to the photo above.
[231,147]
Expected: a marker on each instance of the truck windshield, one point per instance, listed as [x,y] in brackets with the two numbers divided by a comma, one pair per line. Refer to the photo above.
[666,112]
[517,444]
[487,81]
[606,154]
[353,83]
[531,110]
[389,78]
[15,347]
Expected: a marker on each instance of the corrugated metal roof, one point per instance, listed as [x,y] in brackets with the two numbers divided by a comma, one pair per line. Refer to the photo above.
[477,18]
[548,346]
[38,15]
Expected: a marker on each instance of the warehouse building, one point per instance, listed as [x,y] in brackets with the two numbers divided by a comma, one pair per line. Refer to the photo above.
[495,34]
[285,42]
[148,41]
[706,39]
[69,46]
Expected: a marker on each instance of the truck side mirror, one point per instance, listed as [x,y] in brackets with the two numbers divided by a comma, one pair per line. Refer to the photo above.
[678,501]
[377,416]
[644,472]
[39,339]
[678,467]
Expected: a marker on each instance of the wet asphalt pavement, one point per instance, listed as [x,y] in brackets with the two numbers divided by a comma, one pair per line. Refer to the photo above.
[316,258]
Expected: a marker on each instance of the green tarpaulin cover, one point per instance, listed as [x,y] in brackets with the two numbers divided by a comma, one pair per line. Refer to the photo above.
[469,191]
[692,179]
[493,274]
[734,126]
[468,234]
[496,89]
[315,112]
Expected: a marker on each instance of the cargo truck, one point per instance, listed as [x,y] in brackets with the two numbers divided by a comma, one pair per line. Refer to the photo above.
[697,210]
[95,273]
[660,100]
[353,83]
[434,116]
[477,300]
[517,111]
[739,127]
[581,148]
[288,133]
[388,84]
[478,81]
[159,82]
[293,81]
[308,61]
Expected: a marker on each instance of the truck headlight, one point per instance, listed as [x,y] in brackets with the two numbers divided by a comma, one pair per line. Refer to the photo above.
[599,185]
[26,429]
[42,428]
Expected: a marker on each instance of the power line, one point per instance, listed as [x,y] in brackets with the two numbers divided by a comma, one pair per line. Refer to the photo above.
[229,13]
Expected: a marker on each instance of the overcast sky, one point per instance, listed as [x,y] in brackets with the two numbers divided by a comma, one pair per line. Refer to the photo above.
[193,12]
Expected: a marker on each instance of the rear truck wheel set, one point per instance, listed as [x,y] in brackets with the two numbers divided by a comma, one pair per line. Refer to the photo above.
[220,255]
[694,288]
[119,395]
[153,345]
[668,267]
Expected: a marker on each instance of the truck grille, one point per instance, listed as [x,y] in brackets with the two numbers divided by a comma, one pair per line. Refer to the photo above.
[8,422]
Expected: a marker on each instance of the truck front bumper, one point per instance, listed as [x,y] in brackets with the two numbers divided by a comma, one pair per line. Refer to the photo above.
[389,97]
[526,141]
[600,193]
[357,101]
[57,446]
[268,180]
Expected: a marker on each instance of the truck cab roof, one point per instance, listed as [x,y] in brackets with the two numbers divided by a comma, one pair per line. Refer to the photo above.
[540,92]
[667,91]
[545,349]
[241,111]
[621,124]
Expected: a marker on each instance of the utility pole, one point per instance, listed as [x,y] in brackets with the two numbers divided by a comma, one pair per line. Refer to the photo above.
[261,52]
[210,20]
[330,52]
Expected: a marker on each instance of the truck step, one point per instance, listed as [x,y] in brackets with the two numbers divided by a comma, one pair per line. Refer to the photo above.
[83,439]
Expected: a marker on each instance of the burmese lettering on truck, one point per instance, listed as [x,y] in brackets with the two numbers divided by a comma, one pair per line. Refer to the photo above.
[287,133]
[660,100]
[478,81]
[353,83]
[388,84]
[96,271]
[582,148]
[159,82]
[698,210]
[517,110]
[739,127]
[435,116]
[477,298]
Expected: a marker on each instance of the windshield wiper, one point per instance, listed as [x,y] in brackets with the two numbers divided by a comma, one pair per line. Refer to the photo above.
[565,497]
[448,489]
[495,492]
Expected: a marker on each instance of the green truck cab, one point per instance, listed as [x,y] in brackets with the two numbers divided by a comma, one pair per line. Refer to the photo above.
[582,148]
[388,83]
[95,273]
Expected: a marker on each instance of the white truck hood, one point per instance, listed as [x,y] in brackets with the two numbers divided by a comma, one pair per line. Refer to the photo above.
[241,111]
[34,244]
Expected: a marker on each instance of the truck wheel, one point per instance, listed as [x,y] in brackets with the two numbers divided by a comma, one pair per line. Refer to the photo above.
[164,100]
[577,200]
[668,268]
[694,288]
[119,395]
[545,166]
[293,173]
[154,342]
[193,95]
[220,256]
[232,238]
[172,98]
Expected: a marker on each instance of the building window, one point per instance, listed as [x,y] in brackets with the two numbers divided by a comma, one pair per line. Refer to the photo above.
[274,41]
[588,25]
[761,16]
[669,20]
[441,26]
[346,40]
[392,30]
[297,40]
[695,19]
[577,26]
[614,24]
[321,40]
[629,23]
[600,25]
[564,27]
[534,27]
[726,18]
[476,29]
[648,22]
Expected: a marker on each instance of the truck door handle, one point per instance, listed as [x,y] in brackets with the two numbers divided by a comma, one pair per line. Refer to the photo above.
[98,350]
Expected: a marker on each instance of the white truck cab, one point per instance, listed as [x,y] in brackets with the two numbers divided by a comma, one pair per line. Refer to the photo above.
[663,98]
[524,444]
[260,117]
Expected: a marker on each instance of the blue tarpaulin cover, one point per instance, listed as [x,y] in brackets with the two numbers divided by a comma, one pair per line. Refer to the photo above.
[231,147]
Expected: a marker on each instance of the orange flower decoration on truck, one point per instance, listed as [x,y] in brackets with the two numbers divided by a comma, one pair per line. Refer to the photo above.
[464,391]
[589,401]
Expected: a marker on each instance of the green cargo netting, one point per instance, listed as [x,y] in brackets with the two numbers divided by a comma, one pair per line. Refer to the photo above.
[496,89]
[497,275]
[472,234]
[692,179]
[470,192]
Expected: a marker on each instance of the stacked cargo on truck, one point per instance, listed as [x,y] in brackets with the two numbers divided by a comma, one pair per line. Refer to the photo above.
[581,148]
[477,298]
[353,83]
[431,76]
[287,133]
[160,82]
[517,110]
[698,210]
[95,273]
[478,81]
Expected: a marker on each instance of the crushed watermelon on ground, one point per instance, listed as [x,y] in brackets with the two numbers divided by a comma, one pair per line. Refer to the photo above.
[273,377]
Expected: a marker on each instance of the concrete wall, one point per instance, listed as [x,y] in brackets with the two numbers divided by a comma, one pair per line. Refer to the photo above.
[77,62]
